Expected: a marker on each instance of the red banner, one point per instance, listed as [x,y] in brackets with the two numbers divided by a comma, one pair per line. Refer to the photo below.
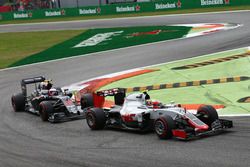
[5,9]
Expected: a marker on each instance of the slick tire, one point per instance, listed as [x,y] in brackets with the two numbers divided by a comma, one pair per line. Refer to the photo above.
[96,118]
[163,127]
[87,100]
[207,114]
[45,109]
[18,102]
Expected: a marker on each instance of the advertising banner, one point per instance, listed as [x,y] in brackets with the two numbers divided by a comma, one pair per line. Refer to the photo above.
[113,9]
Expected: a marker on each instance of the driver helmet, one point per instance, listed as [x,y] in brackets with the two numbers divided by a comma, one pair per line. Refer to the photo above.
[156,104]
[45,85]
[149,102]
[53,92]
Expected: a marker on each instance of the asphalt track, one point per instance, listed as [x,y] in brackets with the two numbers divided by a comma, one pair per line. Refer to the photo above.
[25,141]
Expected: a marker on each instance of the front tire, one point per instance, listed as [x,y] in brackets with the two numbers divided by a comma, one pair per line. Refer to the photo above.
[96,118]
[163,127]
[207,114]
[45,109]
[18,102]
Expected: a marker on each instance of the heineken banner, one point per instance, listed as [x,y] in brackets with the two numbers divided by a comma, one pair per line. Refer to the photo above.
[122,8]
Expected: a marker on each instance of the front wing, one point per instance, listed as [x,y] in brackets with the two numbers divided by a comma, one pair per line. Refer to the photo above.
[217,127]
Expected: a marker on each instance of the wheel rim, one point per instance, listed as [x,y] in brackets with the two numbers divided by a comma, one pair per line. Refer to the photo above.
[159,127]
[90,120]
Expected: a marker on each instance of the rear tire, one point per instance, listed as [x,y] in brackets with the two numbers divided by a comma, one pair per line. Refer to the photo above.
[18,102]
[96,118]
[87,100]
[163,127]
[207,114]
[45,109]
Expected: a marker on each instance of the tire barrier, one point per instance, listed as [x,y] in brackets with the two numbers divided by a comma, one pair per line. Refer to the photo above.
[188,84]
[214,61]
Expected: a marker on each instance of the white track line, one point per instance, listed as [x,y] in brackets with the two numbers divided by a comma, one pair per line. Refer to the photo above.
[235,115]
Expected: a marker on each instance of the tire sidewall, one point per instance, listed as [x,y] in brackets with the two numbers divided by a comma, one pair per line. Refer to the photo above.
[18,102]
[210,112]
[45,109]
[98,118]
[87,100]
[165,128]
[91,115]
[169,125]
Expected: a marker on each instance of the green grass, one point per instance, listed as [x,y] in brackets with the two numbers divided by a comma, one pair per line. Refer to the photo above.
[184,11]
[122,39]
[16,46]
[226,94]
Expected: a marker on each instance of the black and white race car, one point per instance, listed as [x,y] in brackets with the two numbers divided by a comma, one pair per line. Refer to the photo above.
[137,112]
[52,104]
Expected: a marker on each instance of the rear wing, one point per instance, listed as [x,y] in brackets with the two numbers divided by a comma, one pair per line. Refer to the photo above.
[111,92]
[32,80]
[118,93]
[27,81]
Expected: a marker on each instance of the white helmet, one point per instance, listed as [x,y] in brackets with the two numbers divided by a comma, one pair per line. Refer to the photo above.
[53,92]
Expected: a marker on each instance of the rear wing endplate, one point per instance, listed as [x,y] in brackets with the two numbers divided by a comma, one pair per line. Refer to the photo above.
[27,81]
[118,93]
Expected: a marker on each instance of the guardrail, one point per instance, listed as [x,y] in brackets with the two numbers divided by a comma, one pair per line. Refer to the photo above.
[163,5]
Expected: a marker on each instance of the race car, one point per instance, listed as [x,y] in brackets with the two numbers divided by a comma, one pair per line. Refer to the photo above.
[52,104]
[138,112]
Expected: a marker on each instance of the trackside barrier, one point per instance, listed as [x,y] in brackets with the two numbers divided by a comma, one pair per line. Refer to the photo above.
[163,5]
[188,84]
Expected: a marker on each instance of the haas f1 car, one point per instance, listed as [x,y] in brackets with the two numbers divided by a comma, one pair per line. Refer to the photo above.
[52,104]
[137,112]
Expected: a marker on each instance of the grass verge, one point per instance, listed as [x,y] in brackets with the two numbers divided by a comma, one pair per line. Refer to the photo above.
[226,93]
[16,46]
[184,11]
[119,38]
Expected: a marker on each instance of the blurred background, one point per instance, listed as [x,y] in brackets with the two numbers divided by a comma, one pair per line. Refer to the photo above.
[22,5]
